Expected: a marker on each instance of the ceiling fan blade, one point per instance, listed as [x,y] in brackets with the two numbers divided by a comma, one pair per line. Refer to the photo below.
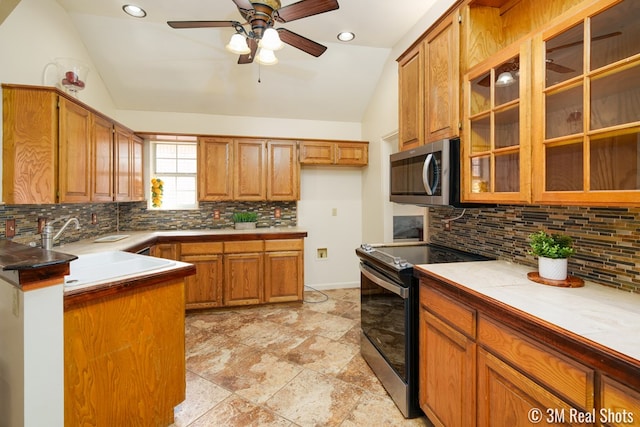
[300,42]
[202,24]
[596,38]
[305,8]
[558,68]
[243,4]
[245,7]
[486,81]
[248,58]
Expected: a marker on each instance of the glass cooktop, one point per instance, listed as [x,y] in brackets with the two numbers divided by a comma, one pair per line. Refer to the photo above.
[420,253]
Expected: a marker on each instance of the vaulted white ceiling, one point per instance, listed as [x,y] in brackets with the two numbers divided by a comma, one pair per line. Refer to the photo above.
[146,65]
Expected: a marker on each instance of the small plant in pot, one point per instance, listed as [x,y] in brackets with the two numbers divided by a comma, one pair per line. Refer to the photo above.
[552,251]
[245,220]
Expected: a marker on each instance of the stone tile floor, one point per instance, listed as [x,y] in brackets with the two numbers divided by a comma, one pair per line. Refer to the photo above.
[283,365]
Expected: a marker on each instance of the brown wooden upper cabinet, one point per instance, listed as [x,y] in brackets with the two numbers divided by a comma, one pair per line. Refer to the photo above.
[58,150]
[247,169]
[587,102]
[411,98]
[338,153]
[551,112]
[283,170]
[496,151]
[429,82]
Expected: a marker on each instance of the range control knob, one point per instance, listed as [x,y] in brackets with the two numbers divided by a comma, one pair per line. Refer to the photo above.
[400,262]
[366,247]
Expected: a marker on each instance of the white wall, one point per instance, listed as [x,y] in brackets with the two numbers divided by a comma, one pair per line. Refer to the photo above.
[331,209]
[34,35]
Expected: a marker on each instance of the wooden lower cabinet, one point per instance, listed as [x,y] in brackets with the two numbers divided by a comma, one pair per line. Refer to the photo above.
[243,273]
[477,371]
[447,374]
[620,403]
[234,273]
[204,289]
[124,357]
[283,270]
[506,397]
[165,250]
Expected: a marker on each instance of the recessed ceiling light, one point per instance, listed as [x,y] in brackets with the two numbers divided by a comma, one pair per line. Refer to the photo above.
[135,11]
[346,36]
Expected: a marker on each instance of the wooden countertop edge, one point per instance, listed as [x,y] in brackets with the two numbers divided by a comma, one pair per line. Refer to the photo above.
[118,286]
[157,237]
[606,360]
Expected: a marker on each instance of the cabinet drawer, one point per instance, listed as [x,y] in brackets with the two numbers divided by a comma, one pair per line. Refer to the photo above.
[283,245]
[560,374]
[458,315]
[244,246]
[619,399]
[201,248]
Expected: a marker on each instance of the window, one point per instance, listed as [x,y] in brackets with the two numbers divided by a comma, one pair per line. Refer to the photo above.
[175,163]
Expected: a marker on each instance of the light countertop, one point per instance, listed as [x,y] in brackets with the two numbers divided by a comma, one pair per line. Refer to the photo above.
[604,315]
[137,239]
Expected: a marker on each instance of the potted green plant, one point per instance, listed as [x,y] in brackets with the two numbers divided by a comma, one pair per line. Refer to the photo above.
[553,251]
[245,220]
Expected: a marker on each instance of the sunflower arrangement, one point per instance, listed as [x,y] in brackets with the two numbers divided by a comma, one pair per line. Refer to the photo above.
[156,192]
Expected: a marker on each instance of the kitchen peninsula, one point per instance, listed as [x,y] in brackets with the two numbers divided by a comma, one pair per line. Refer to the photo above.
[97,361]
[124,345]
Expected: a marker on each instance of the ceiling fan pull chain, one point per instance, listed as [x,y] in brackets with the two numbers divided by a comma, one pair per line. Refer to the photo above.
[259,72]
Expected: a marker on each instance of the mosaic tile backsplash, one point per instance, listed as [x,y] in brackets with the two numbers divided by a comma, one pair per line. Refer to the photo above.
[607,240]
[115,217]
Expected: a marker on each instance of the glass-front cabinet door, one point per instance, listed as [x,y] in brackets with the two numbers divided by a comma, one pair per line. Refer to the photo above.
[586,107]
[496,132]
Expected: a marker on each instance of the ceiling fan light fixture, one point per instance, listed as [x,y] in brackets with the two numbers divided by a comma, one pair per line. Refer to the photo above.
[266,57]
[505,79]
[346,36]
[238,45]
[271,40]
[133,10]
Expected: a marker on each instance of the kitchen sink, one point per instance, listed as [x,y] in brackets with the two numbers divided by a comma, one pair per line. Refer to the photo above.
[103,266]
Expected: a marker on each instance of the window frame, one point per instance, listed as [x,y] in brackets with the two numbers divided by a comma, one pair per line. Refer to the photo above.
[153,173]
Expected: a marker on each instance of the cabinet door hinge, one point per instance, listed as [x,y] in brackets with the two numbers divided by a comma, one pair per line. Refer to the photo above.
[459,125]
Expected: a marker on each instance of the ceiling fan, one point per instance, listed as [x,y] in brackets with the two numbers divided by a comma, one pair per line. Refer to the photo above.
[261,15]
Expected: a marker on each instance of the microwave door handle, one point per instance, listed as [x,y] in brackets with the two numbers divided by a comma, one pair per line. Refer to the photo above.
[430,187]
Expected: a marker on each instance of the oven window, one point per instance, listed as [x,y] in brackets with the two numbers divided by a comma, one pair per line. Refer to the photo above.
[384,321]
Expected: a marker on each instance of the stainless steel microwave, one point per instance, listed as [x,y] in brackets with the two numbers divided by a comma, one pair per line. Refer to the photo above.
[427,175]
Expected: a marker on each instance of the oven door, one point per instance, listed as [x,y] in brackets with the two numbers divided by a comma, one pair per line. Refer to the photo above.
[385,308]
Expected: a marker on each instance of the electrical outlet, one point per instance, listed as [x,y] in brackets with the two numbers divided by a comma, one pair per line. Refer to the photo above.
[322,253]
[10,228]
[216,214]
[94,218]
[447,226]
[41,223]
[277,213]
[334,212]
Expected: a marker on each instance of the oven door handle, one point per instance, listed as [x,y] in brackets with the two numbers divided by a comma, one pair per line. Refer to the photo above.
[384,283]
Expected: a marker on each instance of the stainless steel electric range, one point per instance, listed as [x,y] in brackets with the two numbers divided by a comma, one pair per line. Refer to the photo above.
[389,313]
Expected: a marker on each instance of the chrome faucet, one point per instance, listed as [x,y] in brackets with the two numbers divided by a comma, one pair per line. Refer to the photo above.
[47,233]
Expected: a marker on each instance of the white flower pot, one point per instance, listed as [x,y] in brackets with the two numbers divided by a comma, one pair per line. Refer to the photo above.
[553,269]
[244,225]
